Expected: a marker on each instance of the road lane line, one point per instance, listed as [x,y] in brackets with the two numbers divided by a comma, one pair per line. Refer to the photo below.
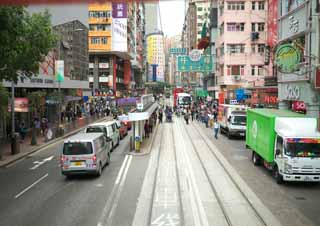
[117,198]
[29,187]
[121,169]
[113,193]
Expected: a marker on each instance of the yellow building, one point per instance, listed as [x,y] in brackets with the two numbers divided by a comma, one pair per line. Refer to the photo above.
[100,27]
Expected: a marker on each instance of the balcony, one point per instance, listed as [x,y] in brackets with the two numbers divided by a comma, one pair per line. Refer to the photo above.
[94,20]
[100,33]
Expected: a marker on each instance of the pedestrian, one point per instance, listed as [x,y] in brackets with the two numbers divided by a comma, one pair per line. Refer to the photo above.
[23,130]
[192,114]
[186,117]
[216,127]
[37,125]
[150,124]
[211,120]
[146,129]
[160,116]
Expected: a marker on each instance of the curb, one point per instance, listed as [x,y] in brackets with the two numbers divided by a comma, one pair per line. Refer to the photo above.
[23,155]
[149,147]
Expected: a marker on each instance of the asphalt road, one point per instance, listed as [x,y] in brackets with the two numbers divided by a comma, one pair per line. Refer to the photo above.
[294,204]
[33,192]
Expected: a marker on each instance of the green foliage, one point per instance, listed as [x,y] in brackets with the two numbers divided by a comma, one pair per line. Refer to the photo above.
[36,102]
[4,95]
[24,41]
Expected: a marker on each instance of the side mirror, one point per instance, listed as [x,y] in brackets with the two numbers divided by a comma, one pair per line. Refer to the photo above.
[278,151]
[229,119]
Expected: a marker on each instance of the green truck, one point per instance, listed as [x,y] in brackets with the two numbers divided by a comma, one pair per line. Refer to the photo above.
[285,142]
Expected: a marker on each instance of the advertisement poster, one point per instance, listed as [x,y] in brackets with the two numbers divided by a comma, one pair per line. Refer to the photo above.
[59,70]
[20,105]
[119,27]
[272,22]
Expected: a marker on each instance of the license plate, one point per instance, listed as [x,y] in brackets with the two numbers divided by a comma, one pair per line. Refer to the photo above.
[77,163]
[241,134]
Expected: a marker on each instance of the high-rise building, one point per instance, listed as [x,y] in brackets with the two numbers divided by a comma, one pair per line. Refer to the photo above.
[241,46]
[155,56]
[116,32]
[151,15]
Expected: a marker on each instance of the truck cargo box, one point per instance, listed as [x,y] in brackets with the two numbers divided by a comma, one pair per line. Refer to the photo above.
[260,133]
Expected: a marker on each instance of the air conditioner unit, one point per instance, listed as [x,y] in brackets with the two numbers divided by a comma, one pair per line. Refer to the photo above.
[237,77]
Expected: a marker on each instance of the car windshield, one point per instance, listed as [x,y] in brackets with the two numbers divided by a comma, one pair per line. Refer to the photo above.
[94,130]
[303,148]
[77,148]
[239,120]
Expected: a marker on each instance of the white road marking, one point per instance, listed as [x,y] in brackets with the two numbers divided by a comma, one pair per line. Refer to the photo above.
[115,191]
[39,163]
[121,169]
[29,187]
[167,220]
[116,200]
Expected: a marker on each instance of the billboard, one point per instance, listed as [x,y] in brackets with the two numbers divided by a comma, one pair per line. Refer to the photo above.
[59,70]
[119,27]
[20,105]
[272,23]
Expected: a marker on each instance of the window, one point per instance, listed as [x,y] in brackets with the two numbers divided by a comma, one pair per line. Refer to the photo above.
[235,70]
[199,24]
[253,5]
[261,48]
[261,5]
[200,9]
[222,50]
[221,28]
[95,40]
[104,40]
[235,48]
[253,27]
[77,148]
[253,48]
[260,26]
[200,17]
[257,70]
[235,5]
[235,26]
[260,70]
[253,70]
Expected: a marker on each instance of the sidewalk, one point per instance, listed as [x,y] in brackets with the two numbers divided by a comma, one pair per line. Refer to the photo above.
[26,148]
[147,143]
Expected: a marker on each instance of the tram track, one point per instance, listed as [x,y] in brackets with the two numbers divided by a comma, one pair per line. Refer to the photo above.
[156,218]
[222,205]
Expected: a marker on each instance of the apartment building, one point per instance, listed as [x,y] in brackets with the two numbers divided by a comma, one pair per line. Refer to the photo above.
[241,45]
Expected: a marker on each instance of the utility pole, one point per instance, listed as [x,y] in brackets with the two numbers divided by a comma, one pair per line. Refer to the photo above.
[14,143]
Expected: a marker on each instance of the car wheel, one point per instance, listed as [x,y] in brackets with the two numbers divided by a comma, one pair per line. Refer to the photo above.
[277,176]
[69,177]
[255,159]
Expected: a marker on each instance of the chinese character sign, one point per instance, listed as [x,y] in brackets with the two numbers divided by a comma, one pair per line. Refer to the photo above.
[185,64]
[119,10]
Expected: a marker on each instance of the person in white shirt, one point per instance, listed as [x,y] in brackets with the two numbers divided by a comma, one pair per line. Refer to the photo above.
[216,127]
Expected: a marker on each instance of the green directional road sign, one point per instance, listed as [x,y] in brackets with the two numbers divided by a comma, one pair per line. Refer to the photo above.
[185,64]
[181,51]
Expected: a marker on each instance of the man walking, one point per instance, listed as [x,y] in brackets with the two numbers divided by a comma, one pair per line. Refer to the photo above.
[186,117]
[216,127]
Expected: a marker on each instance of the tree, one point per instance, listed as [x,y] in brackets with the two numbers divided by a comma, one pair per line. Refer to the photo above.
[36,107]
[24,41]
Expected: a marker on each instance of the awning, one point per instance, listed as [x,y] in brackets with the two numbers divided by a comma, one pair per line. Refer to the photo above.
[145,115]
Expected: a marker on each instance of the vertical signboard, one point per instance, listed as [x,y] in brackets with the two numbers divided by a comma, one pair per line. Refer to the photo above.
[119,27]
[59,70]
[272,23]
[154,72]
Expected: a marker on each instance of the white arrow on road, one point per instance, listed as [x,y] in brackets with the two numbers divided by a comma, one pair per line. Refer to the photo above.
[39,163]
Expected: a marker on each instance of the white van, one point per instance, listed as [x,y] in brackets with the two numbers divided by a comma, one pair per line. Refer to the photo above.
[112,131]
[85,153]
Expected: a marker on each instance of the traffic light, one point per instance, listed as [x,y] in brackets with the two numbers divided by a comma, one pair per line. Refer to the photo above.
[254,36]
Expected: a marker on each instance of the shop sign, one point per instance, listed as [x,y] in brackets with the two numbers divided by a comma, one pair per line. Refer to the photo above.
[20,105]
[103,65]
[292,92]
[299,106]
[287,58]
[271,99]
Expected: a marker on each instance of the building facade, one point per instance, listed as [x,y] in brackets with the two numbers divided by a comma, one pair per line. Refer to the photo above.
[241,46]
[297,56]
[156,57]
[116,36]
[151,15]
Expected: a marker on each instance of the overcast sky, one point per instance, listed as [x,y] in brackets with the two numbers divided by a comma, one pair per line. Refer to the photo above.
[172,16]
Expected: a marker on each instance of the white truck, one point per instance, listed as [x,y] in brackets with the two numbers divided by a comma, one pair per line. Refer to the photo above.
[286,143]
[232,120]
